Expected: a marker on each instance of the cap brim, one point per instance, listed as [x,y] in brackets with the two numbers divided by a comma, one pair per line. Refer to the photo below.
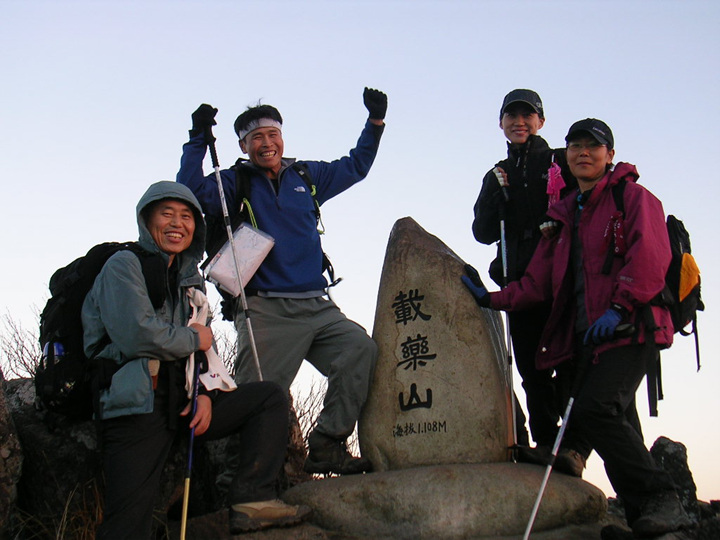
[529,104]
[594,135]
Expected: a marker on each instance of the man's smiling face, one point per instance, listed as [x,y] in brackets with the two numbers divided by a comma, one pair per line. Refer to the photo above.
[265,148]
[172,225]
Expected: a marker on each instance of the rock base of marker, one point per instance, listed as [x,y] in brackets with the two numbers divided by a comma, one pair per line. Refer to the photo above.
[440,392]
[492,500]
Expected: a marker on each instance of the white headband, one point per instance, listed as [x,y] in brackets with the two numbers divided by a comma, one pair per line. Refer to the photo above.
[255,124]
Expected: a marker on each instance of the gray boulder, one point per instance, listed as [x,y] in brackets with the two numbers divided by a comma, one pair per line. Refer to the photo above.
[449,501]
[440,392]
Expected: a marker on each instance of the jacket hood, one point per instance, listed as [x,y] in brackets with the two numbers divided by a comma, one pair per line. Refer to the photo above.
[628,171]
[171,190]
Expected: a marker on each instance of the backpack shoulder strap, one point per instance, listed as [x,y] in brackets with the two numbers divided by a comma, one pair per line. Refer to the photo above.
[242,182]
[302,169]
[618,193]
[154,271]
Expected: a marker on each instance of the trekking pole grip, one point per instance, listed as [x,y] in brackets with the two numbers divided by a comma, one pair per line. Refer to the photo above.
[210,140]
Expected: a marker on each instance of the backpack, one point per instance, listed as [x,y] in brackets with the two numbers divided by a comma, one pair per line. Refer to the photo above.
[64,377]
[216,229]
[681,294]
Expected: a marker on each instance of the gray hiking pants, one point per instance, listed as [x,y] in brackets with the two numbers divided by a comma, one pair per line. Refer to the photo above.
[288,331]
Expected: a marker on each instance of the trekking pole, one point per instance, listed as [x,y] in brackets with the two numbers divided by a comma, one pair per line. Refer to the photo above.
[621,331]
[226,216]
[508,343]
[186,494]
[549,467]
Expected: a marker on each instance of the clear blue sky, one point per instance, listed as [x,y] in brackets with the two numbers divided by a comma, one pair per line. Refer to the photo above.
[97,97]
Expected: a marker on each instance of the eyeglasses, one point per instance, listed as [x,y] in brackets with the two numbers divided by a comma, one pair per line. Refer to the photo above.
[578,146]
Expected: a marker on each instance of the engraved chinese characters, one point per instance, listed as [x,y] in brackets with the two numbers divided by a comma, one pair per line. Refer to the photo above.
[439,393]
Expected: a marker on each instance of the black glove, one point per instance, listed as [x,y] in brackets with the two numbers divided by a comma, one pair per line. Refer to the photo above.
[475,285]
[375,102]
[203,118]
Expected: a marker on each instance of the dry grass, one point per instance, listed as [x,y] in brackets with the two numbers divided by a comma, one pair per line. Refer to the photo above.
[19,349]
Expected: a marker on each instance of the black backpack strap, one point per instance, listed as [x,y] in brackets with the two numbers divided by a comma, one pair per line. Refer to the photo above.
[618,192]
[654,371]
[243,185]
[302,169]
[697,341]
[154,270]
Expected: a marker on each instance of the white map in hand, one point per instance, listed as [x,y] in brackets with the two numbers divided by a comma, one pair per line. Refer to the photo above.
[251,248]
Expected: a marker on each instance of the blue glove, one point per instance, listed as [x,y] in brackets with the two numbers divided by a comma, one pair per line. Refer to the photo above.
[473,282]
[604,328]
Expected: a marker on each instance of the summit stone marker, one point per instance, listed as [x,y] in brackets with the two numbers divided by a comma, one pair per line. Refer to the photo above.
[436,423]
[440,392]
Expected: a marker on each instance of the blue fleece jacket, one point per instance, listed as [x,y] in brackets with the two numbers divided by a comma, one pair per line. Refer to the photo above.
[294,265]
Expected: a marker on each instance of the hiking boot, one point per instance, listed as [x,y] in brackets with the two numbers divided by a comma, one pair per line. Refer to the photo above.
[540,455]
[661,513]
[569,462]
[254,516]
[328,455]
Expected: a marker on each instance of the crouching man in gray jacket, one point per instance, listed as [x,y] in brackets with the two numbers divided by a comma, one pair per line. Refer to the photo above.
[144,405]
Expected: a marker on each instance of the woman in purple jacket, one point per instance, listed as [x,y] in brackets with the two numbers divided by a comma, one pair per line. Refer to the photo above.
[593,295]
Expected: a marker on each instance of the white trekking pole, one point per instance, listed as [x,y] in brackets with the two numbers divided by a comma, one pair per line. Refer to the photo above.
[226,216]
[549,467]
[623,330]
[508,342]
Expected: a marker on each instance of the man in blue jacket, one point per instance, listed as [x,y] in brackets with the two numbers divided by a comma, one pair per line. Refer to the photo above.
[292,317]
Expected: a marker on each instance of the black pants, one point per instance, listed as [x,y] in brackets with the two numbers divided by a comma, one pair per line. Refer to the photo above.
[604,418]
[526,329]
[136,447]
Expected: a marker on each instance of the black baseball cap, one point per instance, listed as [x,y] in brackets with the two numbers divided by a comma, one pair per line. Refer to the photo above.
[592,126]
[524,96]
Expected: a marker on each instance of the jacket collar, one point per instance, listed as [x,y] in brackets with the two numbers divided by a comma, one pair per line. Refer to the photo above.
[564,209]
[534,144]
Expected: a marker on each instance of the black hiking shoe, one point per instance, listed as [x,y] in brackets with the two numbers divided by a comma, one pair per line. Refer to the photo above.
[570,462]
[661,513]
[540,455]
[255,516]
[327,455]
